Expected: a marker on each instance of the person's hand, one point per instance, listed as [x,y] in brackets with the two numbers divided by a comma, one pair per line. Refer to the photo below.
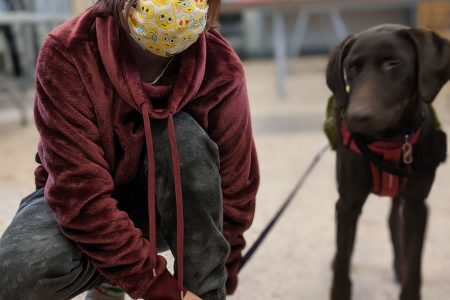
[191,296]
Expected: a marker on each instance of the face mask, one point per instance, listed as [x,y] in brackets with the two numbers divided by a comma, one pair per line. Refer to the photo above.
[167,27]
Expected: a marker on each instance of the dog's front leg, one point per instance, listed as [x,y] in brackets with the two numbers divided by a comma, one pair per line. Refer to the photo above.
[347,214]
[414,218]
[353,177]
[394,226]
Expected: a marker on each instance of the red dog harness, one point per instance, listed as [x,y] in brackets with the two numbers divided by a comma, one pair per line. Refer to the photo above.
[393,152]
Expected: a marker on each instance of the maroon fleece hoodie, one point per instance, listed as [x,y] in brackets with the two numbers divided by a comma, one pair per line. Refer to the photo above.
[87,86]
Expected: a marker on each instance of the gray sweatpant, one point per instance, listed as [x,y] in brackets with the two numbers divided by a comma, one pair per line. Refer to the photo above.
[38,262]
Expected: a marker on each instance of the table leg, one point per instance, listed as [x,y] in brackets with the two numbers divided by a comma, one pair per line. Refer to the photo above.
[298,35]
[17,100]
[338,23]
[280,48]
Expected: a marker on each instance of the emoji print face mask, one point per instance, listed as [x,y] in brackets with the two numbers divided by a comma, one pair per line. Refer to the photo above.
[167,27]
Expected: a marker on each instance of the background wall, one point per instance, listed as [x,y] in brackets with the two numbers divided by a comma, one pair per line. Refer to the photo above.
[250,32]
[80,5]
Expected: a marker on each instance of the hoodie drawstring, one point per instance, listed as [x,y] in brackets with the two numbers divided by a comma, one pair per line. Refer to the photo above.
[179,201]
[151,193]
[150,186]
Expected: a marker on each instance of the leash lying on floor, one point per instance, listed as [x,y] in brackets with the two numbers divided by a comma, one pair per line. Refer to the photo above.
[249,254]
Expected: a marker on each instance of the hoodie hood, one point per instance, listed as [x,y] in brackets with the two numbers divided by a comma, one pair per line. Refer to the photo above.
[125,78]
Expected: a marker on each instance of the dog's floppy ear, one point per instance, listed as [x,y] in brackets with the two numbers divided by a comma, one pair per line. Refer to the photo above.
[433,61]
[335,72]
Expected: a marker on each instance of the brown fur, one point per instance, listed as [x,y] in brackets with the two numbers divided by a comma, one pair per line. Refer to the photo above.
[394,73]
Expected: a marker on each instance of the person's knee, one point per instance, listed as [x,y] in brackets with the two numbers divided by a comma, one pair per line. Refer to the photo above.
[193,142]
[196,150]
[199,159]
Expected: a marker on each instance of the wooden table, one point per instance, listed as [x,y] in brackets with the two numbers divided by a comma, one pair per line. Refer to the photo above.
[289,44]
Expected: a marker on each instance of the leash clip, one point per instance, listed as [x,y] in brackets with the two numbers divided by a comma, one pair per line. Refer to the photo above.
[407,151]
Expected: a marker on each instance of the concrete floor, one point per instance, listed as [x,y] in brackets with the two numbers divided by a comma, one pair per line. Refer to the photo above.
[294,262]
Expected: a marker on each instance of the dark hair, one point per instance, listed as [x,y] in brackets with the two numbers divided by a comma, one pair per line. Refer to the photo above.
[104,8]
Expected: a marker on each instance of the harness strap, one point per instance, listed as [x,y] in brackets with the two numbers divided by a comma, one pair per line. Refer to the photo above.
[389,163]
[383,165]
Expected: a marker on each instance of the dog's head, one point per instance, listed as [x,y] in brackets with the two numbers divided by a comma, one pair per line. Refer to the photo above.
[377,75]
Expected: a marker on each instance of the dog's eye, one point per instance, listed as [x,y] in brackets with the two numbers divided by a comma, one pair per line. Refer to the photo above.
[353,70]
[390,64]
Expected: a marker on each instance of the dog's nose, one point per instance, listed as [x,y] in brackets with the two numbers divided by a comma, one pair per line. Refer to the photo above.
[359,118]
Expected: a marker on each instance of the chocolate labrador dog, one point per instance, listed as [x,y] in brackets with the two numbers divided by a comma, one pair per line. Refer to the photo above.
[389,142]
